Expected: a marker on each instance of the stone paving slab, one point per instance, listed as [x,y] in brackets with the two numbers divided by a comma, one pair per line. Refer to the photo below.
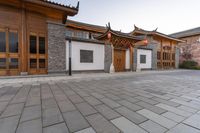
[121,102]
[127,126]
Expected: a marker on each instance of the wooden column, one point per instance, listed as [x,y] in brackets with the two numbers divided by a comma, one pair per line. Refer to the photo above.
[24,68]
[171,54]
[131,57]
[161,54]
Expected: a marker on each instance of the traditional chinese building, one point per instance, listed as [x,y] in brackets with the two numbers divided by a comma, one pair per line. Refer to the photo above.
[190,49]
[161,51]
[32,36]
[98,48]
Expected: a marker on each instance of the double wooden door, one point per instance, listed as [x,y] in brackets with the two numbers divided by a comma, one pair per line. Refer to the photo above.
[9,52]
[37,55]
[119,60]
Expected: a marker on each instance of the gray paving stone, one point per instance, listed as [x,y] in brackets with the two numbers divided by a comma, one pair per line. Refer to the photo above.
[3,106]
[66,106]
[130,99]
[92,101]
[150,107]
[111,96]
[152,127]
[75,121]
[33,126]
[30,113]
[132,116]
[187,109]
[127,126]
[87,130]
[147,100]
[129,105]
[49,103]
[101,125]
[157,118]
[51,116]
[107,112]
[85,108]
[59,128]
[110,103]
[192,105]
[182,128]
[32,101]
[13,109]
[193,121]
[76,99]
[174,110]
[97,95]
[173,116]
[170,103]
[9,125]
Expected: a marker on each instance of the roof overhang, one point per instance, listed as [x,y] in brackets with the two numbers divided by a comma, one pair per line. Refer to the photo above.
[44,7]
[70,11]
[155,33]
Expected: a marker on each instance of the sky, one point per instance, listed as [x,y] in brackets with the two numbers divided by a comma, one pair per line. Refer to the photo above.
[169,16]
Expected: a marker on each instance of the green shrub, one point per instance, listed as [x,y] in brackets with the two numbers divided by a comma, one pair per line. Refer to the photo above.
[189,65]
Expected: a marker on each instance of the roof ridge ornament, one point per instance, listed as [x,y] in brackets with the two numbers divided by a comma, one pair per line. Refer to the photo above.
[78,4]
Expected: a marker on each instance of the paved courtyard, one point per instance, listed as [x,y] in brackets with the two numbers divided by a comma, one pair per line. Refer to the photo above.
[154,102]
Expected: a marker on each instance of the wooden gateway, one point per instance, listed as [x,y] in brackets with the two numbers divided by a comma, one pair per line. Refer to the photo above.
[26,40]
[119,43]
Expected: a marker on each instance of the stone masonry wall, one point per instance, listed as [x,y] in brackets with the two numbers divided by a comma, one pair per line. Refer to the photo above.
[56,48]
[108,58]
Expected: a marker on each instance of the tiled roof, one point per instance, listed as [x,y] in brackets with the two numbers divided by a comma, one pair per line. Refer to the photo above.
[61,4]
[85,26]
[187,33]
[155,32]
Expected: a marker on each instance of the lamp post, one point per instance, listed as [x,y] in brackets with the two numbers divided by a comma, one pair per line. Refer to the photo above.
[70,57]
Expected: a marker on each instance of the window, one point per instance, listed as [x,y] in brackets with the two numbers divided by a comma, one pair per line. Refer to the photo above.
[13,63]
[42,45]
[68,33]
[33,44]
[41,63]
[143,59]
[13,42]
[2,63]
[86,56]
[33,63]
[2,42]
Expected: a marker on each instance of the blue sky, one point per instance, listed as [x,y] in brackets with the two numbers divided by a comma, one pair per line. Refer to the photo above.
[168,15]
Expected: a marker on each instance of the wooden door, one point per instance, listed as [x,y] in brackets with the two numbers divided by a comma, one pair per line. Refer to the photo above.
[37,57]
[9,52]
[119,60]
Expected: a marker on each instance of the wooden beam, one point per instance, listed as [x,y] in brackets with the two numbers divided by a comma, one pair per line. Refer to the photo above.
[24,42]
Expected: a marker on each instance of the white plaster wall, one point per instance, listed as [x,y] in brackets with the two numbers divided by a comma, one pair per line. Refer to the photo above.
[127,59]
[148,64]
[98,56]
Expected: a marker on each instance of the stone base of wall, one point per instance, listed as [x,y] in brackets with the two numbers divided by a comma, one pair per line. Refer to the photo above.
[56,48]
